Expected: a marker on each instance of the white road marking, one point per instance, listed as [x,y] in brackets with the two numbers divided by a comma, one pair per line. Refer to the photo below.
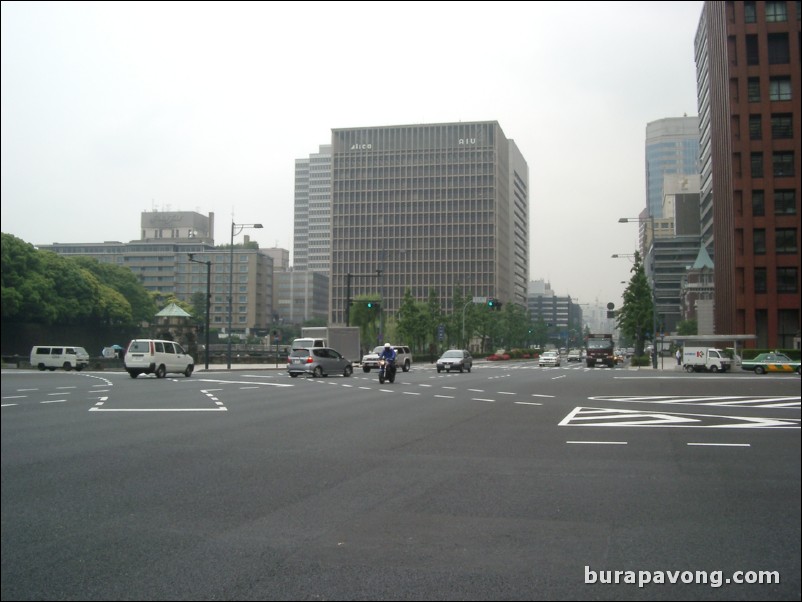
[722,444]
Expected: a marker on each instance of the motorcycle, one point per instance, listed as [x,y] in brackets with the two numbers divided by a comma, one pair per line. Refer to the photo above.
[386,371]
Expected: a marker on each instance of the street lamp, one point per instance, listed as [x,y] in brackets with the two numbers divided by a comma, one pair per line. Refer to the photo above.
[650,219]
[208,299]
[235,229]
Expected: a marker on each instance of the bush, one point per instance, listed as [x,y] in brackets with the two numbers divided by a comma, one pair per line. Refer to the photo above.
[640,360]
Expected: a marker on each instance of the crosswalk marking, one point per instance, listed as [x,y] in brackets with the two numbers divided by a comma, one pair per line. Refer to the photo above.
[583,416]
[758,401]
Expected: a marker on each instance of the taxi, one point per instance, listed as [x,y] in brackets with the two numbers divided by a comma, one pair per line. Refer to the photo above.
[771,362]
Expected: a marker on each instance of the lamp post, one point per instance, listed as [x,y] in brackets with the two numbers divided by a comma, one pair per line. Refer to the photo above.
[235,229]
[650,219]
[208,299]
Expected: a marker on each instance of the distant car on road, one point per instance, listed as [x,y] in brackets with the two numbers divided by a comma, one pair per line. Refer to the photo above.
[575,355]
[771,362]
[403,358]
[455,359]
[549,358]
[317,362]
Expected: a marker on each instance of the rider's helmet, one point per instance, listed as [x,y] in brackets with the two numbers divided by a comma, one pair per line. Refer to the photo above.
[387,345]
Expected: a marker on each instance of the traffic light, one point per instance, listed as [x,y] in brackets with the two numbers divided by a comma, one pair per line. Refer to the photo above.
[493,303]
[373,305]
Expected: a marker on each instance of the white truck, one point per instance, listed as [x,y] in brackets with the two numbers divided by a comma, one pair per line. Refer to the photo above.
[698,359]
[344,339]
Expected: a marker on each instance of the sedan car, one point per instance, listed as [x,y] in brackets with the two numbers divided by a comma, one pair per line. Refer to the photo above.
[771,362]
[318,361]
[455,359]
[549,358]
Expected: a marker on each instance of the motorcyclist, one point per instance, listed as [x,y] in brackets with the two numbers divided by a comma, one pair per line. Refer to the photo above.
[389,354]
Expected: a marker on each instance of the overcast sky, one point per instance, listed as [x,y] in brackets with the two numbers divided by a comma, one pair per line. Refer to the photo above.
[111,109]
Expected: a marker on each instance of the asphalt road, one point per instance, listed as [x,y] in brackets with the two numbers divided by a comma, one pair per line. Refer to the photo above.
[509,483]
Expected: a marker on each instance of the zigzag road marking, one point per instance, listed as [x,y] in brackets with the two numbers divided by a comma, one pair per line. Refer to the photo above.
[759,401]
[614,417]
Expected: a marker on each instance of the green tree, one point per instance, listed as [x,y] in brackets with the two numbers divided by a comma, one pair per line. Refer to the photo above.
[540,332]
[411,325]
[365,313]
[27,291]
[125,282]
[688,327]
[636,316]
[433,317]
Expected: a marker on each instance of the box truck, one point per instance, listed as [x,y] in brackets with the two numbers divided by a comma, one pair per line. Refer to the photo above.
[705,359]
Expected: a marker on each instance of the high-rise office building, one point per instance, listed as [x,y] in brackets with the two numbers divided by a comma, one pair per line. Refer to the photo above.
[312,227]
[672,148]
[428,207]
[749,92]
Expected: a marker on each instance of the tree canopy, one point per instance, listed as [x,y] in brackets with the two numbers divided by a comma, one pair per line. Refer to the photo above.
[46,288]
[636,316]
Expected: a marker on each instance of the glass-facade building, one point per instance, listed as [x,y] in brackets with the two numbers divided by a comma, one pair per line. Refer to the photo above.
[428,207]
[672,148]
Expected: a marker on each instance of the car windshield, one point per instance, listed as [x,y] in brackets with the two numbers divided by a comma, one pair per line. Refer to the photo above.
[550,354]
[299,353]
[452,354]
[378,349]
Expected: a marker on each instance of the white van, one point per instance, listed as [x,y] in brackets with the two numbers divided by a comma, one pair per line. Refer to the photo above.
[153,356]
[51,357]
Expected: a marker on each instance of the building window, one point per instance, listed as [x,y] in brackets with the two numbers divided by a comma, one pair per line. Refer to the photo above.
[776,12]
[782,125]
[785,240]
[787,280]
[757,165]
[750,14]
[783,164]
[760,280]
[785,202]
[752,56]
[759,241]
[753,89]
[755,129]
[758,203]
[780,88]
[779,52]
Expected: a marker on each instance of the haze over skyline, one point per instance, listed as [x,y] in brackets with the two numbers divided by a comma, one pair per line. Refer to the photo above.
[112,109]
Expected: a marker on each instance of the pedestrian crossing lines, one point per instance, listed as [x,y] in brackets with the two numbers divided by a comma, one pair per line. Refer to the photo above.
[612,417]
[743,401]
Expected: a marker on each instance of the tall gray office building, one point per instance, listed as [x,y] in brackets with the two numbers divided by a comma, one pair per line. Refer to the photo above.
[428,207]
[672,148]
[312,222]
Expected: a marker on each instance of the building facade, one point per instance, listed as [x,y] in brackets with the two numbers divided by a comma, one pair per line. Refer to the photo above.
[302,295]
[750,92]
[422,207]
[312,222]
[672,149]
[161,263]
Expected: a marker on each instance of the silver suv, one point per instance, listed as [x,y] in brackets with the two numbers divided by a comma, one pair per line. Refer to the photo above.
[403,358]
